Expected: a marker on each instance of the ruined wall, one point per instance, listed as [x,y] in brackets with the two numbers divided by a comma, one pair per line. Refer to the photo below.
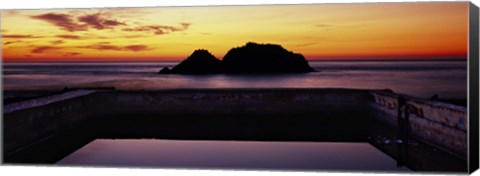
[238,101]
[441,124]
[28,122]
[31,121]
[436,123]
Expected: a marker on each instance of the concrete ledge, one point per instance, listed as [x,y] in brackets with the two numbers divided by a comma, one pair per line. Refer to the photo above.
[441,124]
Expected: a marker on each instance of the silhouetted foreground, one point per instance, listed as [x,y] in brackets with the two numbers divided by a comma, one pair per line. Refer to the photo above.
[45,130]
[251,58]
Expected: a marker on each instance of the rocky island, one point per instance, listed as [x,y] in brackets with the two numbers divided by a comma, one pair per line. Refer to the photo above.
[200,62]
[252,58]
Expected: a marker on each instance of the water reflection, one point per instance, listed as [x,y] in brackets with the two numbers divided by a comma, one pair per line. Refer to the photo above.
[232,154]
[422,79]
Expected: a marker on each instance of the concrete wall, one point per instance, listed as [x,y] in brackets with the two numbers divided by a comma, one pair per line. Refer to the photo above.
[238,101]
[440,124]
[29,122]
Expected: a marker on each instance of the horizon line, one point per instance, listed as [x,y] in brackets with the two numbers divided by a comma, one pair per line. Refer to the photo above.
[309,60]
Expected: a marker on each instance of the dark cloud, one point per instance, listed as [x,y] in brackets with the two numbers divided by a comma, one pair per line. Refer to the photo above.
[11,42]
[63,21]
[70,23]
[97,22]
[20,36]
[160,29]
[112,23]
[57,42]
[102,47]
[103,43]
[116,48]
[42,49]
[136,47]
[71,54]
[133,36]
[81,37]
[68,36]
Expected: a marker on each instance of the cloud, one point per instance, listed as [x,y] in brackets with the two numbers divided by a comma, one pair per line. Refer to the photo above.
[63,21]
[97,22]
[112,23]
[159,29]
[306,44]
[323,25]
[68,36]
[42,49]
[185,25]
[101,47]
[20,36]
[71,23]
[57,42]
[71,54]
[136,47]
[11,42]
[103,43]
[133,36]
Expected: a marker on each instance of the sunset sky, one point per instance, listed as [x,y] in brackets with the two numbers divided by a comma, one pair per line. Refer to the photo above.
[424,30]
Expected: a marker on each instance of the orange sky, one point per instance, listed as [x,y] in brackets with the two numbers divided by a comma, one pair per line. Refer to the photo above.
[423,30]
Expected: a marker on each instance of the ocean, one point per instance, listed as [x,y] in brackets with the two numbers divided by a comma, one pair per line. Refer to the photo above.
[422,79]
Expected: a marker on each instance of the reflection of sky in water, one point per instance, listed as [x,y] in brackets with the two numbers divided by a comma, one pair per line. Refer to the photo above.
[232,154]
[448,79]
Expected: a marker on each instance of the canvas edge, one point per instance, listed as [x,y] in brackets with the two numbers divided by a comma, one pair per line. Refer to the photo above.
[473,81]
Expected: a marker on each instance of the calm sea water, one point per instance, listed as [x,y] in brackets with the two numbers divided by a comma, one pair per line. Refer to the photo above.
[448,79]
[232,154]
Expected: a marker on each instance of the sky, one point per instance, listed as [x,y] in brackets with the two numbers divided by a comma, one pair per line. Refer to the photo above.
[363,31]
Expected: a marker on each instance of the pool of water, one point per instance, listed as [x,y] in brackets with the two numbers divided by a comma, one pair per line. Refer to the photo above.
[232,155]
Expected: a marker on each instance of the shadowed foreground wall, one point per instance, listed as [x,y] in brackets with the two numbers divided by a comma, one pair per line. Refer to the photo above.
[28,122]
[229,114]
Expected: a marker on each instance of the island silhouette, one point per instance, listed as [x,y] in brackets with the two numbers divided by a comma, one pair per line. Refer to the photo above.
[252,58]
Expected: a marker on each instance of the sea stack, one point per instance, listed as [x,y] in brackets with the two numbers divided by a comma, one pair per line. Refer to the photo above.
[199,62]
[264,58]
[251,58]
